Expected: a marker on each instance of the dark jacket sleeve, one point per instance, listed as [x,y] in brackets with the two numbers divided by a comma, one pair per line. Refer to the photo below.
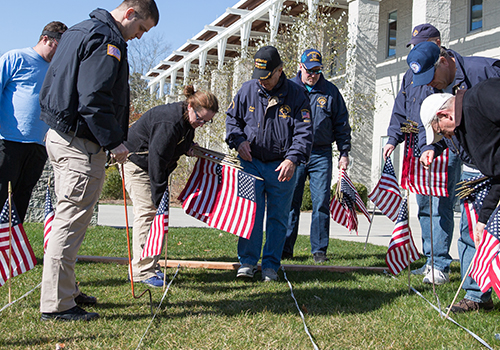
[302,138]
[341,127]
[235,125]
[95,91]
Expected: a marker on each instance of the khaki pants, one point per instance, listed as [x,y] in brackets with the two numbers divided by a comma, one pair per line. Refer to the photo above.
[79,176]
[138,187]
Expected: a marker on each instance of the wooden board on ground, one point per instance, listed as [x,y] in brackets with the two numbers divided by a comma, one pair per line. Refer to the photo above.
[219,265]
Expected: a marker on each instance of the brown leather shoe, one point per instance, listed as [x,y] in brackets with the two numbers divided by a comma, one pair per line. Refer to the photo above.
[466,305]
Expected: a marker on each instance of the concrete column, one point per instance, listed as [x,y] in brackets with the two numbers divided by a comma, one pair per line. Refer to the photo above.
[361,82]
[435,12]
[242,72]
[274,20]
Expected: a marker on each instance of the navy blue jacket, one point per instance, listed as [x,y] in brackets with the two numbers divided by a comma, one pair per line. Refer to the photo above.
[470,71]
[282,131]
[478,131]
[86,88]
[329,115]
[160,137]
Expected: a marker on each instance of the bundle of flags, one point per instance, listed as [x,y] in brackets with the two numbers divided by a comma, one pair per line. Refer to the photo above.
[158,229]
[220,194]
[21,255]
[402,250]
[486,264]
[386,194]
[416,178]
[473,191]
[343,205]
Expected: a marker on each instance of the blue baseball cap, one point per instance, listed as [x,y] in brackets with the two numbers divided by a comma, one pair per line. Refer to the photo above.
[421,60]
[311,58]
[423,32]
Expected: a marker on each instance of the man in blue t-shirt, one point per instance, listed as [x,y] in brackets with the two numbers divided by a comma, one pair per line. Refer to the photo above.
[22,150]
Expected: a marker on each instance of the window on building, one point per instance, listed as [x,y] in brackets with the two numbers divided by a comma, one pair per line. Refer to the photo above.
[391,40]
[476,14]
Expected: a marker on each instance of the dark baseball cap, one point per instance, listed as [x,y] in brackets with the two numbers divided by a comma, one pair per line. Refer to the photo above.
[265,62]
[311,58]
[421,60]
[423,32]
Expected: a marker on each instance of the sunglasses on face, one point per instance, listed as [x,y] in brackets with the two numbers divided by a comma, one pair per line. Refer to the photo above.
[200,119]
[310,71]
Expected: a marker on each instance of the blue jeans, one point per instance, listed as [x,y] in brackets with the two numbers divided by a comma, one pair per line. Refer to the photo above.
[319,170]
[442,219]
[466,251]
[279,199]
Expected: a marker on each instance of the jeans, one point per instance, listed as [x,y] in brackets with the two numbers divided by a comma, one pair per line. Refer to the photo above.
[466,251]
[319,170]
[279,199]
[442,219]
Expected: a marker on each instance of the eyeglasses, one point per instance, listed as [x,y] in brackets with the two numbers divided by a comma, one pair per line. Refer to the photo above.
[310,71]
[200,119]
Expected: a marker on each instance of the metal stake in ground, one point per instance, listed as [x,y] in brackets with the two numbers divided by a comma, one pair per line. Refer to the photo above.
[128,246]
[432,244]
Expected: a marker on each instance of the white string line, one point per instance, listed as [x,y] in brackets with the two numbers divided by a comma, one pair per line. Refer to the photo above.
[475,336]
[25,295]
[158,308]
[300,311]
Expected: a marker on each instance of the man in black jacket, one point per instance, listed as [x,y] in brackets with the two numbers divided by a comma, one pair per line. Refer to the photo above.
[473,117]
[85,102]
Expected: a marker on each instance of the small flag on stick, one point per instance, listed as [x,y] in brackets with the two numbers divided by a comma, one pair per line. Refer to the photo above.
[386,194]
[22,256]
[48,218]
[159,228]
[397,258]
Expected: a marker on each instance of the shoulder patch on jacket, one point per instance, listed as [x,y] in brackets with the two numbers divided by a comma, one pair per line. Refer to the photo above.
[322,102]
[306,116]
[114,51]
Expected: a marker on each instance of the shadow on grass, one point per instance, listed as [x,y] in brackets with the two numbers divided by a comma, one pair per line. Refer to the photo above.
[45,340]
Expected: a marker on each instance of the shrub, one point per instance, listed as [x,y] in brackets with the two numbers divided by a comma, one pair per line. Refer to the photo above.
[112,188]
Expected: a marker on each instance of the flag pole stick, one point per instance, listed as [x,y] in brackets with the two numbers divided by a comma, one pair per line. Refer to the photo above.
[10,241]
[461,284]
[432,243]
[166,247]
[409,240]
[128,246]
[370,227]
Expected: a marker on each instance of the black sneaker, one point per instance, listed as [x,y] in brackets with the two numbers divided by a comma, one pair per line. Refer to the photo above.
[320,257]
[466,305]
[286,255]
[74,314]
[84,299]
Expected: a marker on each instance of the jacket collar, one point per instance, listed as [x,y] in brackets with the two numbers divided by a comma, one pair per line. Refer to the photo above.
[320,86]
[106,17]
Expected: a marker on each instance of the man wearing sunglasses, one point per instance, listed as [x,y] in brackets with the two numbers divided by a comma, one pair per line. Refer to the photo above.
[330,124]
[269,124]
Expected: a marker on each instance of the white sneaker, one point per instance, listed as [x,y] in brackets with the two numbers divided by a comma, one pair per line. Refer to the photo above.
[269,275]
[424,270]
[246,271]
[440,277]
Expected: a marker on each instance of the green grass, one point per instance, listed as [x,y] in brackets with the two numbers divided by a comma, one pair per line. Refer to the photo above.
[208,309]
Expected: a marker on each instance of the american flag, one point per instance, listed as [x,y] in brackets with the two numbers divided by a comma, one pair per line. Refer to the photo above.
[343,210]
[485,266]
[397,253]
[474,201]
[49,216]
[22,256]
[419,180]
[386,194]
[221,196]
[159,228]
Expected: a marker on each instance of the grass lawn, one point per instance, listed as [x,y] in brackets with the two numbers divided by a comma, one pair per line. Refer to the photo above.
[209,309]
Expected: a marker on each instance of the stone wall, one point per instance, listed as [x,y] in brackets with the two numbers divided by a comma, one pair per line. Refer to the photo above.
[36,208]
